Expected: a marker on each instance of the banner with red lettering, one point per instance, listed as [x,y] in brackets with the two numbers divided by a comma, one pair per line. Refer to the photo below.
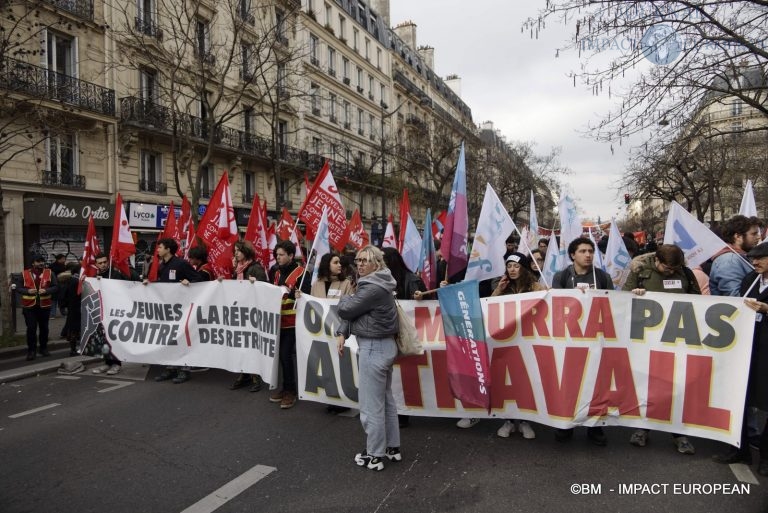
[564,358]
[325,194]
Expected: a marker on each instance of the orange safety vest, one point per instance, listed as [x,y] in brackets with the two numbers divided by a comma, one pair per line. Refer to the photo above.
[287,305]
[30,300]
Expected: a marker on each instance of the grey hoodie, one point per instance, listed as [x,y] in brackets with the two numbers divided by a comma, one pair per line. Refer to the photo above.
[370,312]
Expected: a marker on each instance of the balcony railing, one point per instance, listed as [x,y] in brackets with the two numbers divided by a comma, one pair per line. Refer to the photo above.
[63,179]
[25,78]
[80,8]
[150,186]
[147,26]
[138,112]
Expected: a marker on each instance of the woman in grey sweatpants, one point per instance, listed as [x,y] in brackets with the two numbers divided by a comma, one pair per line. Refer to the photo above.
[371,316]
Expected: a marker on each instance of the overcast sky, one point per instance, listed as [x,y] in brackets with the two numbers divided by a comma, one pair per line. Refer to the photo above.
[519,84]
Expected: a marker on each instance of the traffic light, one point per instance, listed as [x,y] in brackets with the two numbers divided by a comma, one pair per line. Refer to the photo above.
[627,197]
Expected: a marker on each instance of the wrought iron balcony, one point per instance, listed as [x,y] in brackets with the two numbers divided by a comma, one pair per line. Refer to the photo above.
[80,8]
[138,112]
[148,27]
[63,179]
[25,78]
[150,186]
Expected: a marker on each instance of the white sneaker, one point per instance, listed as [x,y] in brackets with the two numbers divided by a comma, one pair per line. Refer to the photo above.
[506,429]
[467,423]
[527,430]
[101,369]
[113,370]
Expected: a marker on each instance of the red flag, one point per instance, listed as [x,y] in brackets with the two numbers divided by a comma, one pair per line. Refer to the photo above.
[325,194]
[218,229]
[405,211]
[355,233]
[285,226]
[256,232]
[307,188]
[439,224]
[389,235]
[186,227]
[122,246]
[91,249]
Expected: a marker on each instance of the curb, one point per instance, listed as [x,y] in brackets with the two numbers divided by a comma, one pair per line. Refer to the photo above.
[38,369]
[7,353]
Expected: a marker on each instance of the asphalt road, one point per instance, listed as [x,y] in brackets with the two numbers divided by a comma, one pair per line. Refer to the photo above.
[132,445]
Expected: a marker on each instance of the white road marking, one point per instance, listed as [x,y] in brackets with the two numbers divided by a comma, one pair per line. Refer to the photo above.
[743,473]
[117,385]
[34,410]
[71,378]
[230,490]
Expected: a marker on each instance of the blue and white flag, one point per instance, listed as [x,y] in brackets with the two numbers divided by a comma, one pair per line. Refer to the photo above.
[320,245]
[533,225]
[691,235]
[570,223]
[617,257]
[551,262]
[493,227]
[411,244]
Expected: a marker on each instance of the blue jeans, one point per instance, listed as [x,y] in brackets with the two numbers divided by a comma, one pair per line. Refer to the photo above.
[378,412]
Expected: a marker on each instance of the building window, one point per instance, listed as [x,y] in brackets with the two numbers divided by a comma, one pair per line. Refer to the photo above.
[202,37]
[282,88]
[314,44]
[360,122]
[347,120]
[249,187]
[342,27]
[317,146]
[367,49]
[280,33]
[378,58]
[244,11]
[383,95]
[345,69]
[60,53]
[62,158]
[146,17]
[736,107]
[360,79]
[249,115]
[282,137]
[372,125]
[209,181]
[151,178]
[370,86]
[314,96]
[355,37]
[331,61]
[148,89]
[374,27]
[245,54]
[332,107]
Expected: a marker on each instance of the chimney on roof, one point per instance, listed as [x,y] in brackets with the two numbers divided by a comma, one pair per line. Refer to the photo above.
[454,82]
[428,54]
[407,32]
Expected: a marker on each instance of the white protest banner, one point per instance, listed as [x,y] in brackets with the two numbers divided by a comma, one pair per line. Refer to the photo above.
[232,324]
[564,358]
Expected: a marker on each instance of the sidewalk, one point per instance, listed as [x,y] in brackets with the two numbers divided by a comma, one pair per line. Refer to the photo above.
[14,365]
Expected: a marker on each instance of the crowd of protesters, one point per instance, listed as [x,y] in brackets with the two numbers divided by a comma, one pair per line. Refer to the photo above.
[367,285]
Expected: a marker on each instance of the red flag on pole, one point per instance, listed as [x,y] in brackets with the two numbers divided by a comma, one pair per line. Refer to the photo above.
[186,227]
[218,229]
[285,226]
[389,235]
[122,246]
[325,194]
[256,233]
[91,249]
[405,210]
[355,233]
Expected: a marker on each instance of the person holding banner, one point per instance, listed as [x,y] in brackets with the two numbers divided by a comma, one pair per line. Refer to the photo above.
[173,269]
[518,279]
[754,287]
[111,365]
[198,258]
[370,314]
[581,274]
[287,273]
[247,267]
[332,281]
[663,271]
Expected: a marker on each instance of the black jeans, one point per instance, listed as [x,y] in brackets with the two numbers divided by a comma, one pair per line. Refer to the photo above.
[37,319]
[288,359]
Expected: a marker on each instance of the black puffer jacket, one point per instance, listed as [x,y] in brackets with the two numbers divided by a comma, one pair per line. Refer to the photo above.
[370,312]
